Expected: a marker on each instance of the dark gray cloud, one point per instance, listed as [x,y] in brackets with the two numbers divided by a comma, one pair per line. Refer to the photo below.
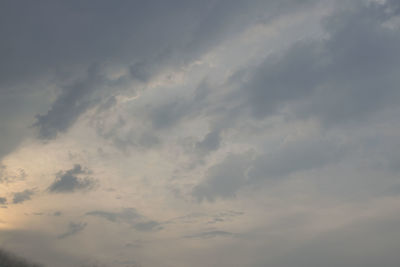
[16,109]
[54,46]
[81,33]
[13,138]
[8,259]
[140,71]
[46,249]
[62,40]
[3,200]
[22,196]
[2,173]
[68,181]
[73,229]
[73,101]
[346,76]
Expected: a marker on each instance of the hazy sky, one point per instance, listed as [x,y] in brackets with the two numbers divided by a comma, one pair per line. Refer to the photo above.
[200,133]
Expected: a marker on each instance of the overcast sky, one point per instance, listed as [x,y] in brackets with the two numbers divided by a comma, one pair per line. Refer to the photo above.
[200,133]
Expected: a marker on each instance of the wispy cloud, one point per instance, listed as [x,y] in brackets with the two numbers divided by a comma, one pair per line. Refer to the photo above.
[73,229]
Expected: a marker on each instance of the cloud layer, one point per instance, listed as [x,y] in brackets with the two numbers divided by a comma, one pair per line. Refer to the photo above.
[245,133]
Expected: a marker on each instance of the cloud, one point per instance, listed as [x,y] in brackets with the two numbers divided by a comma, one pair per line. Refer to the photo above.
[70,104]
[298,156]
[2,173]
[223,179]
[57,213]
[16,109]
[348,75]
[210,234]
[224,216]
[73,229]
[108,37]
[113,36]
[235,172]
[147,226]
[203,218]
[170,113]
[75,59]
[210,142]
[330,79]
[172,28]
[363,243]
[7,176]
[129,216]
[286,110]
[68,181]
[47,249]
[8,259]
[22,196]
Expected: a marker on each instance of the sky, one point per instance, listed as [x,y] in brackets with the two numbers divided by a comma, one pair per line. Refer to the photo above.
[200,133]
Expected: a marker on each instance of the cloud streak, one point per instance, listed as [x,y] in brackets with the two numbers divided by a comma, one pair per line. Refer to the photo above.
[73,229]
